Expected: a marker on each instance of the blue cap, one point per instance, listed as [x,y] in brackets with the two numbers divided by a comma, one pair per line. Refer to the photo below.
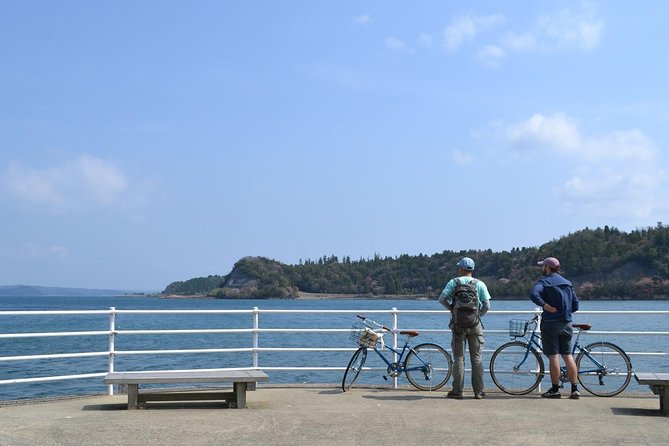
[466,263]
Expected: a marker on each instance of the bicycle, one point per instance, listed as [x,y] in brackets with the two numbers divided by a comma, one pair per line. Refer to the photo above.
[517,367]
[427,366]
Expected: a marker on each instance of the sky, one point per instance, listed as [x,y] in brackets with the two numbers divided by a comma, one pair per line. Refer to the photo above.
[147,142]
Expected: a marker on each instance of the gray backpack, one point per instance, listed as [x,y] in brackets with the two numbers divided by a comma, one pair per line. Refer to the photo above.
[465,304]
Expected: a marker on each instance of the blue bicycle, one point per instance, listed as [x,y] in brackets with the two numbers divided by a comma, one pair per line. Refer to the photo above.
[427,366]
[517,367]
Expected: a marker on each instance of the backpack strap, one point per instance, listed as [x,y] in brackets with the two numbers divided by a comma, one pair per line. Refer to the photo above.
[457,282]
[474,282]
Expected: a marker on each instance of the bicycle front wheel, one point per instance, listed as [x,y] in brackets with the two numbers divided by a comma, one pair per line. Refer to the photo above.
[516,368]
[354,368]
[428,366]
[604,369]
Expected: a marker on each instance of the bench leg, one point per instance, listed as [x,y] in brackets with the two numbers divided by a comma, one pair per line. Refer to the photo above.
[239,389]
[663,392]
[133,394]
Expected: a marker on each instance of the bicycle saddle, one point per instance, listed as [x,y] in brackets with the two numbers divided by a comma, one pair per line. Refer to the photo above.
[410,333]
[582,326]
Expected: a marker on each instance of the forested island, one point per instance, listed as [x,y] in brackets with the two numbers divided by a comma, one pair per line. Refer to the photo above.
[603,263]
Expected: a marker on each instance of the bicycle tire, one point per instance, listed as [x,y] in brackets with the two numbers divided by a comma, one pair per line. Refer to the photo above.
[428,366]
[617,372]
[354,368]
[506,372]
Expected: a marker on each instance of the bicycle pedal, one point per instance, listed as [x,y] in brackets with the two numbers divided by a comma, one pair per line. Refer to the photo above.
[385,378]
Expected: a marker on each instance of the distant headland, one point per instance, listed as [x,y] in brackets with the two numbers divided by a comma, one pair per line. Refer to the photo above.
[603,264]
[34,290]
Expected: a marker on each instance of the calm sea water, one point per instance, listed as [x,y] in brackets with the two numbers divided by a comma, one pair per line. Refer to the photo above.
[50,345]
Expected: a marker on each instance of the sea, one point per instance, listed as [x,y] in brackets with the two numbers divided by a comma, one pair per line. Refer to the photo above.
[648,351]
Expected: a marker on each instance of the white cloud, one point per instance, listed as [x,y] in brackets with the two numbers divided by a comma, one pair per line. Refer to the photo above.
[611,174]
[561,134]
[396,44]
[491,54]
[518,42]
[363,19]
[569,30]
[557,132]
[77,184]
[59,251]
[103,179]
[465,28]
[462,158]
[615,191]
[425,40]
[564,30]
[33,250]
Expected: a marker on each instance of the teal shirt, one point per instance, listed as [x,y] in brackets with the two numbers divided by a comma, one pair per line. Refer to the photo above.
[481,290]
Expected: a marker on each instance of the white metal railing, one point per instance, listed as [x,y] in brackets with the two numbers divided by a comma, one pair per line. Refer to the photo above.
[256,330]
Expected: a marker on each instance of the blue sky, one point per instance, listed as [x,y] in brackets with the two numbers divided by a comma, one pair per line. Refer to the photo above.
[146,142]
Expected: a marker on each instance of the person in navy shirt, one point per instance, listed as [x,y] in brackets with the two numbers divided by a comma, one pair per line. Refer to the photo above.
[556,296]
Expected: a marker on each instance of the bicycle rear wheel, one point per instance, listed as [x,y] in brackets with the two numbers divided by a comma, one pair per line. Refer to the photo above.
[516,368]
[604,369]
[354,368]
[428,366]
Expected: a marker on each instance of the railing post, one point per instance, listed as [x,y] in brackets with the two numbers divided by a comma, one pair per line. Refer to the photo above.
[112,334]
[394,315]
[256,325]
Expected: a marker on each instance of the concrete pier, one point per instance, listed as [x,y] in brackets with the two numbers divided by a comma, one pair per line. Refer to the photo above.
[323,415]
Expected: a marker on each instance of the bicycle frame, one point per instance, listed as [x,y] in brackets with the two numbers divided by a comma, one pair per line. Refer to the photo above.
[603,368]
[397,366]
[535,340]
[427,366]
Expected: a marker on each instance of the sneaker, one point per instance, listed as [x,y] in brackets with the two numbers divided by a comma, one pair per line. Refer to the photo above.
[455,396]
[574,395]
[479,396]
[551,394]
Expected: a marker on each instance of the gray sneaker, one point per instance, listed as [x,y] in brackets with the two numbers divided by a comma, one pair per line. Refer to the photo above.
[574,395]
[455,396]
[479,396]
[551,394]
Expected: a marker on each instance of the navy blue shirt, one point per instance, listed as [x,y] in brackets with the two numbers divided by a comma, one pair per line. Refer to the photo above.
[558,292]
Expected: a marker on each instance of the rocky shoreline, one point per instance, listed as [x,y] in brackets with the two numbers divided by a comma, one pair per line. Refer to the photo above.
[324,296]
[308,296]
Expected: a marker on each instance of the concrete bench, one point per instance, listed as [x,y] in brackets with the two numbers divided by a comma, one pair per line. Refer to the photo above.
[242,380]
[659,384]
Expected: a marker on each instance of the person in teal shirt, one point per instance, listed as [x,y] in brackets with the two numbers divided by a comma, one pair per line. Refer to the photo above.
[473,336]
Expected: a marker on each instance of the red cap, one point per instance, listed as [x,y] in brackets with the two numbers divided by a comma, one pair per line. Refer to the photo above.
[552,262]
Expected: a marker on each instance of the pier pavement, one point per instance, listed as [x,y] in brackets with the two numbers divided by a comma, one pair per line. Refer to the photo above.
[323,415]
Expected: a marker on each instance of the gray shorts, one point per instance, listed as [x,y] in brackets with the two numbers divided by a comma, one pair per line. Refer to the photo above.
[556,337]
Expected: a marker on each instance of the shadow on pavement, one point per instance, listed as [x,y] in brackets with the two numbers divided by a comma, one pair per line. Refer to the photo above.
[637,412]
[158,406]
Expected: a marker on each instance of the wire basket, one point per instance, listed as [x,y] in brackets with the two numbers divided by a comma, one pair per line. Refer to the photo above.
[517,327]
[365,336]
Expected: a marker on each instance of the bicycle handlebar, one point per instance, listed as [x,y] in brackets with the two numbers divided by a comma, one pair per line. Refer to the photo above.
[364,318]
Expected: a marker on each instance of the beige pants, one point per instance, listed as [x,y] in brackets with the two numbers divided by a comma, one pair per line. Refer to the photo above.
[473,337]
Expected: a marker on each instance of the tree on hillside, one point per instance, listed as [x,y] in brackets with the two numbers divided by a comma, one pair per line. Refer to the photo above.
[602,262]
